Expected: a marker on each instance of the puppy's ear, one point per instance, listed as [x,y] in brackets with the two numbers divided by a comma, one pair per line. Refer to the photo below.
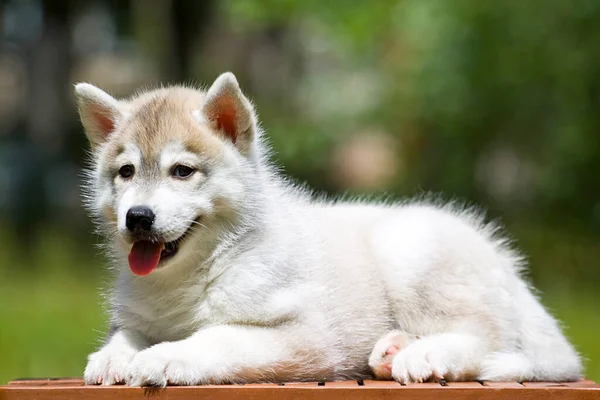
[229,112]
[99,112]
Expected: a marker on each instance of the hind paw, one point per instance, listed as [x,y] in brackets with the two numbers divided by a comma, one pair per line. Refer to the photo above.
[385,350]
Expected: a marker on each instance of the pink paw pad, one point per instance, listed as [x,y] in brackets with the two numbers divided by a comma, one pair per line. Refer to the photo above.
[391,350]
[385,350]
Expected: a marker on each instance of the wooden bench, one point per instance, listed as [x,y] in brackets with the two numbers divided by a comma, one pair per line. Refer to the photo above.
[41,389]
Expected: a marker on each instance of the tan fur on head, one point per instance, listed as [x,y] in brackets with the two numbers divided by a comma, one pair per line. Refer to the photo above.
[162,116]
[154,118]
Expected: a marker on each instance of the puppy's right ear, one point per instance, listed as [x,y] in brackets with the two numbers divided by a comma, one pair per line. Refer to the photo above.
[99,112]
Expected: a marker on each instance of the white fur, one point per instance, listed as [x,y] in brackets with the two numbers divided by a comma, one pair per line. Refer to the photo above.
[273,285]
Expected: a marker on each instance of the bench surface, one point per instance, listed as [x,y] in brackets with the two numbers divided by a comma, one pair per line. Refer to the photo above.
[73,388]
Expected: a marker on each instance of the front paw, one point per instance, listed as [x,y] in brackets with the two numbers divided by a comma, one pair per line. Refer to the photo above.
[108,366]
[419,363]
[166,363]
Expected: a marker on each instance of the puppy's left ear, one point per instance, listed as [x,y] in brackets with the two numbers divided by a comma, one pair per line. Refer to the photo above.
[230,113]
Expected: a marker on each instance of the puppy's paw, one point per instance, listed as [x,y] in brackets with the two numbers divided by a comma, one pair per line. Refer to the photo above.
[419,363]
[166,363]
[385,350]
[108,366]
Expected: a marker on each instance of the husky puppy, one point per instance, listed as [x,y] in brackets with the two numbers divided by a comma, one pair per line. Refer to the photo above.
[227,272]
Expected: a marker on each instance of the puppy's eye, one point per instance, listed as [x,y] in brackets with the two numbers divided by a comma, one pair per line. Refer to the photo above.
[182,171]
[126,171]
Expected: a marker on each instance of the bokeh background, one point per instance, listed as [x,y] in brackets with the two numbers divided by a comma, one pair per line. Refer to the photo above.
[493,102]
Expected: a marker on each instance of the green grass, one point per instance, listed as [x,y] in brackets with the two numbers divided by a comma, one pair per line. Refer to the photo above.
[581,322]
[49,325]
[50,308]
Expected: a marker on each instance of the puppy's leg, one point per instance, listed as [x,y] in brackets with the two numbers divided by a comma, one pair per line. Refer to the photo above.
[108,365]
[449,356]
[385,350]
[224,354]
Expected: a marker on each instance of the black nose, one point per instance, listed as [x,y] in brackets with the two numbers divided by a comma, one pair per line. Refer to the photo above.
[139,218]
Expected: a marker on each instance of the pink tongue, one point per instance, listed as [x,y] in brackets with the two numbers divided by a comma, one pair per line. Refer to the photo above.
[144,257]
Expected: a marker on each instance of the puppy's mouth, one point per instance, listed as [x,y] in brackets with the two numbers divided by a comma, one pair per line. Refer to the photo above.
[147,254]
[170,249]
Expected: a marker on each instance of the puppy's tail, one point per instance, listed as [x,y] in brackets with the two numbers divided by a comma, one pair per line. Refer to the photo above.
[543,354]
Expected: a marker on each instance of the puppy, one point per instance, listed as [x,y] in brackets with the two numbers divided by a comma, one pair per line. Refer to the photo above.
[227,272]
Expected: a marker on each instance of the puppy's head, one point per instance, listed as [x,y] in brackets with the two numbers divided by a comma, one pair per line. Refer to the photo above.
[167,165]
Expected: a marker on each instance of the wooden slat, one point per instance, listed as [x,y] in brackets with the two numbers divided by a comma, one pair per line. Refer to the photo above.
[281,393]
[382,384]
[385,390]
[543,384]
[476,385]
[583,384]
[259,385]
[503,385]
[425,385]
[301,384]
[344,384]
[47,382]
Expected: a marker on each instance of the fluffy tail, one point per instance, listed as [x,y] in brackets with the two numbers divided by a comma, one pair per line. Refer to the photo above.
[543,354]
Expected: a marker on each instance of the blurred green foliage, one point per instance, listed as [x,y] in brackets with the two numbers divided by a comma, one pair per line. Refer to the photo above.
[464,78]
